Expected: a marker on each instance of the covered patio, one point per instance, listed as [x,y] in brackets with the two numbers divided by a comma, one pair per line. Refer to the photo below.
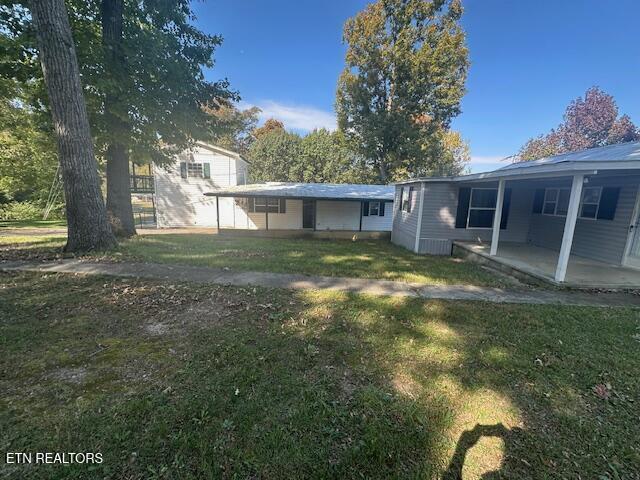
[541,263]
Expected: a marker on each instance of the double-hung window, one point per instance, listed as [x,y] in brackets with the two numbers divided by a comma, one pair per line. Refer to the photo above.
[406,195]
[556,201]
[590,202]
[482,207]
[374,208]
[272,205]
[194,170]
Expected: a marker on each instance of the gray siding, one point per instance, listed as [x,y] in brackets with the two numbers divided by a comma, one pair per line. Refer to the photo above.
[603,240]
[405,224]
[439,217]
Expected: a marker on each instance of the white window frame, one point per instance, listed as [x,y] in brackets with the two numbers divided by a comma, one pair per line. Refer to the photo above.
[266,203]
[556,201]
[597,204]
[194,164]
[481,208]
[406,190]
[376,212]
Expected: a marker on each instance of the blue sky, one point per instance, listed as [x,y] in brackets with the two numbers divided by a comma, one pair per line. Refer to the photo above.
[528,60]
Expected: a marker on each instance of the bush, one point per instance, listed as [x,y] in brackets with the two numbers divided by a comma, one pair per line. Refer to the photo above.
[24,211]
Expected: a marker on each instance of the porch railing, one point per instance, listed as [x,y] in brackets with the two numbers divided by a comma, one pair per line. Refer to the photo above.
[141,183]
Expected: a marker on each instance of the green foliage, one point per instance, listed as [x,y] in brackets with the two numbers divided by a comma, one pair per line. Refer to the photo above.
[19,211]
[406,65]
[28,159]
[235,126]
[320,156]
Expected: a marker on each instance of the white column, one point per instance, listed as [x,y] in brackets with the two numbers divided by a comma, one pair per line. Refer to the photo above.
[497,219]
[569,227]
[416,246]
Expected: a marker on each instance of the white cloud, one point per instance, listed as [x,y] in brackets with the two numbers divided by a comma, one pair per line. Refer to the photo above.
[486,163]
[298,117]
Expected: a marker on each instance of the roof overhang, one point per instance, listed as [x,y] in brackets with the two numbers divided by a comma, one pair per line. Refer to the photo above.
[308,191]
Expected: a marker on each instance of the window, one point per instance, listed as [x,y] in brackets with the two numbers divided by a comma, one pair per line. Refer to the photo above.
[273,205]
[556,201]
[590,202]
[406,195]
[374,208]
[194,170]
[482,207]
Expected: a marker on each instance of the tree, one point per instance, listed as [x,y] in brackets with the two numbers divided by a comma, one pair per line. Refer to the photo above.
[270,125]
[588,122]
[273,155]
[145,88]
[235,126]
[88,228]
[406,66]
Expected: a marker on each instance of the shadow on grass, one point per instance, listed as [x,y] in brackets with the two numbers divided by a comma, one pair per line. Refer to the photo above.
[210,382]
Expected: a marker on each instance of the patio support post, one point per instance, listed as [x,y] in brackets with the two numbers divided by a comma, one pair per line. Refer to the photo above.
[497,219]
[569,227]
[416,246]
[218,212]
[266,212]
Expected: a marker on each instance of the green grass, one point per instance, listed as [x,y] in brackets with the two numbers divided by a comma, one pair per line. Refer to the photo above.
[32,224]
[184,381]
[363,258]
[345,258]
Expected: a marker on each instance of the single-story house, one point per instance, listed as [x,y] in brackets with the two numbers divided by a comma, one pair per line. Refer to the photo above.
[310,207]
[569,218]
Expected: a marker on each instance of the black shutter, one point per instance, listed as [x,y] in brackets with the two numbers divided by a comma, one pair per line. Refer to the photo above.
[283,205]
[464,195]
[365,209]
[400,199]
[608,203]
[381,209]
[538,200]
[252,205]
[506,204]
[183,169]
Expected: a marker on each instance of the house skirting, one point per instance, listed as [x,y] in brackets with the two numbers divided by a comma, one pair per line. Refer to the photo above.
[329,234]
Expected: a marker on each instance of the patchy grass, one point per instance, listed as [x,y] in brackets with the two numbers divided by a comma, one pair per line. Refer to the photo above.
[344,258]
[184,381]
[32,224]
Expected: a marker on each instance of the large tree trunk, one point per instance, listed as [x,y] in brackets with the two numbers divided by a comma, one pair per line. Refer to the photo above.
[88,228]
[118,183]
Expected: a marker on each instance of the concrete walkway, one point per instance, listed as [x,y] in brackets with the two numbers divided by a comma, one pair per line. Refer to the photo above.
[182,273]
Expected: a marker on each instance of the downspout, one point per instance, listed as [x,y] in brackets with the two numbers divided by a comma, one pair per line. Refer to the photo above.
[419,223]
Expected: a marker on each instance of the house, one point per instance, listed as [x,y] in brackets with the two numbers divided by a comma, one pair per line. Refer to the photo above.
[308,207]
[568,219]
[180,187]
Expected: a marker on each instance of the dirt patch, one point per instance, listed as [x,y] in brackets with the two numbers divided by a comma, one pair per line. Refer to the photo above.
[156,329]
[70,375]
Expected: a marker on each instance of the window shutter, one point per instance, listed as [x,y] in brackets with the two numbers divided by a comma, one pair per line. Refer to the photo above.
[183,169]
[252,205]
[400,199]
[464,195]
[608,203]
[506,204]
[206,170]
[283,205]
[538,200]
[365,209]
[382,209]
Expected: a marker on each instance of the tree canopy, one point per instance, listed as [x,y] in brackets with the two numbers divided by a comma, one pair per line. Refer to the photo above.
[406,66]
[588,122]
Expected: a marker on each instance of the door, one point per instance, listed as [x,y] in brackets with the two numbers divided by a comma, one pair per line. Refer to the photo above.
[632,255]
[308,214]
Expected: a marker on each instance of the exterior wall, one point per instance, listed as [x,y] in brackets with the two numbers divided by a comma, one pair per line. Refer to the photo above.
[290,220]
[375,223]
[337,215]
[603,240]
[180,202]
[405,224]
[439,218]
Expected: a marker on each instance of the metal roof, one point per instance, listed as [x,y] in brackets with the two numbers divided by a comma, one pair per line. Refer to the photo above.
[623,156]
[326,191]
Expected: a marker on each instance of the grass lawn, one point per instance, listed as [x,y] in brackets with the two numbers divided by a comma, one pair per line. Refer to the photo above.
[345,258]
[183,381]
[32,224]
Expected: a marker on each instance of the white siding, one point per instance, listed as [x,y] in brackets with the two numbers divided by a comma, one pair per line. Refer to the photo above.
[337,215]
[290,220]
[375,223]
[180,202]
